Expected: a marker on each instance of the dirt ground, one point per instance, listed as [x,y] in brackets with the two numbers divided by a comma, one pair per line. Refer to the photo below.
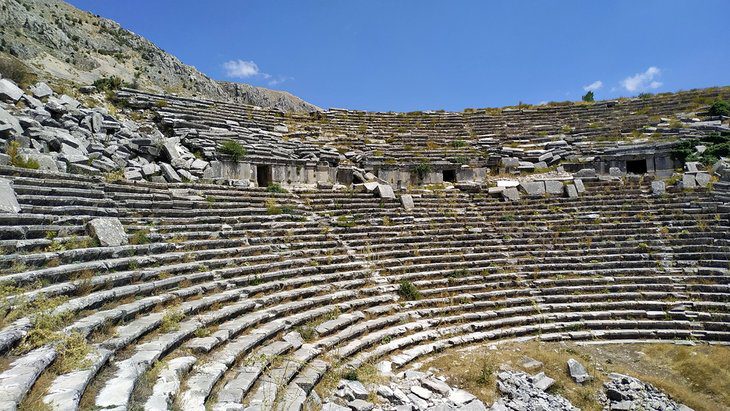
[695,375]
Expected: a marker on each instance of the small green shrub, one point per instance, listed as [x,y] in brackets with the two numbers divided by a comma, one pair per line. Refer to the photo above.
[108,83]
[72,352]
[458,144]
[720,108]
[275,188]
[408,291]
[588,97]
[17,160]
[234,149]
[140,237]
[422,169]
[171,321]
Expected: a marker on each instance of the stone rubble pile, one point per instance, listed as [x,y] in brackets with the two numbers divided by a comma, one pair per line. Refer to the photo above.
[406,391]
[522,391]
[624,393]
[61,134]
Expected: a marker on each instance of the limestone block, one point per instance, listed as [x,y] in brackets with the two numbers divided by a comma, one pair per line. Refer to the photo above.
[579,185]
[11,120]
[108,231]
[586,172]
[8,200]
[41,90]
[688,181]
[533,188]
[508,183]
[578,372]
[703,179]
[511,194]
[554,187]
[407,201]
[9,92]
[571,191]
[385,191]
[658,188]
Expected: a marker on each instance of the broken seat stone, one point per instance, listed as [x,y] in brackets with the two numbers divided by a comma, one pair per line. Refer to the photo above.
[108,231]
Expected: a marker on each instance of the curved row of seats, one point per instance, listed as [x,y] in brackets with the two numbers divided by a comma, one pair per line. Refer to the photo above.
[229,298]
[404,138]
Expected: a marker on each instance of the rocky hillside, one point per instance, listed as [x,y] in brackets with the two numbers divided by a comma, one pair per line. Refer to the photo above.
[59,41]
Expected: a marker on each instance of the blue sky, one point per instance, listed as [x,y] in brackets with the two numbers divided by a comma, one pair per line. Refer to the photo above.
[421,54]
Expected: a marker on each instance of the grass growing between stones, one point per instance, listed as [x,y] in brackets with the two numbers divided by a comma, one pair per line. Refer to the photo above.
[697,376]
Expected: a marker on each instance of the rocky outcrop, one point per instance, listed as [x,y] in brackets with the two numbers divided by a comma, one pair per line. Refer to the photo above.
[60,41]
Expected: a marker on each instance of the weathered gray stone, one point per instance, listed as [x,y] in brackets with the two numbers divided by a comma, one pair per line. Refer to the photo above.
[658,188]
[578,372]
[421,392]
[571,191]
[615,172]
[331,406]
[688,181]
[8,200]
[436,386]
[407,201]
[533,188]
[554,187]
[385,191]
[530,363]
[170,173]
[360,405]
[511,194]
[41,90]
[586,172]
[579,185]
[703,179]
[542,381]
[9,92]
[133,175]
[11,120]
[108,231]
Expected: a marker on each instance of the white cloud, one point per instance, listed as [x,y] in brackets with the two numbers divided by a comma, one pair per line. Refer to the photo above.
[275,81]
[249,69]
[643,81]
[242,69]
[593,86]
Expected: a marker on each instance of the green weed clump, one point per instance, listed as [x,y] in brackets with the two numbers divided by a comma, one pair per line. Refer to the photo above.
[408,291]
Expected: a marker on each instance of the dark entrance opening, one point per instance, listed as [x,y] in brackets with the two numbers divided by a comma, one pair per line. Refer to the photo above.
[636,166]
[450,176]
[263,175]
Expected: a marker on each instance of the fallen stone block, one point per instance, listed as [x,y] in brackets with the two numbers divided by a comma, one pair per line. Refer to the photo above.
[385,191]
[571,191]
[407,201]
[658,188]
[554,187]
[511,194]
[702,179]
[108,231]
[533,188]
[578,372]
[585,172]
[688,181]
[41,90]
[9,92]
[8,200]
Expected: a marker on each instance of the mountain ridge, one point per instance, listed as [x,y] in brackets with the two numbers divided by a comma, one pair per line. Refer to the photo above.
[60,42]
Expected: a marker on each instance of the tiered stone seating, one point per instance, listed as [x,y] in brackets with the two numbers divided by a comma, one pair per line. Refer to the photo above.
[229,297]
[546,133]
